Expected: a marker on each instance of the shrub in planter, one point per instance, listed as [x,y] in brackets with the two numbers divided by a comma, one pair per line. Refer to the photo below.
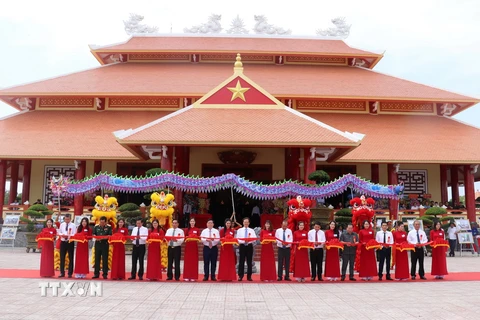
[319,177]
[343,216]
[431,215]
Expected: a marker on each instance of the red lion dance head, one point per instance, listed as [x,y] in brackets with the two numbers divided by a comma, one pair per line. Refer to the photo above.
[299,210]
[362,210]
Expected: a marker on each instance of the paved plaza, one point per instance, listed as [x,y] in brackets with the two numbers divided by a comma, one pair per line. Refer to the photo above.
[21,299]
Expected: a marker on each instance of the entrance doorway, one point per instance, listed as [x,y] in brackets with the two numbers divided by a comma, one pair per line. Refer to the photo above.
[221,201]
[336,172]
[133,169]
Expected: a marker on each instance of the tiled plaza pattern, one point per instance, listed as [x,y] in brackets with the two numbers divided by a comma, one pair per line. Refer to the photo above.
[20,298]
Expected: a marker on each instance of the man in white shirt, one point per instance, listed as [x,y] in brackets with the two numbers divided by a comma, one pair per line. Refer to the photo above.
[174,250]
[67,229]
[138,253]
[384,237]
[246,249]
[316,236]
[283,234]
[417,237]
[210,238]
[452,238]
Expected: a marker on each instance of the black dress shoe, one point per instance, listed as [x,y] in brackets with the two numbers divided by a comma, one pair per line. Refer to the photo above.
[205,279]
[389,279]
[353,279]
[177,279]
[240,279]
[249,279]
[413,278]
[213,279]
[95,277]
[70,276]
[131,278]
[168,279]
[288,279]
[61,276]
[379,278]
[279,279]
[342,279]
[423,278]
[320,279]
[105,277]
[313,279]
[140,278]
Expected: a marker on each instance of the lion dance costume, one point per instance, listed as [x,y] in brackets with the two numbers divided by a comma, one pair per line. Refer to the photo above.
[162,207]
[362,210]
[107,207]
[299,211]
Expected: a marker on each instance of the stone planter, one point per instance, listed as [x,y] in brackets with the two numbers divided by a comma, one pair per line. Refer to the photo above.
[31,243]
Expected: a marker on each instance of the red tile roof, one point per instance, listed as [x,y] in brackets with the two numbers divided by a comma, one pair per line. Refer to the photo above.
[246,127]
[250,44]
[197,79]
[68,134]
[89,135]
[408,139]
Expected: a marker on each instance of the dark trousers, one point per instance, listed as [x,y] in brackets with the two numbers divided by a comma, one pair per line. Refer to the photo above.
[210,256]
[384,255]
[283,260]
[174,254]
[348,259]
[415,256]
[138,253]
[101,251]
[453,246]
[316,260]
[246,252]
[65,247]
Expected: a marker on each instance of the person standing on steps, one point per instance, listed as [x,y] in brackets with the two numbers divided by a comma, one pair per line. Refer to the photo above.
[66,230]
[101,247]
[417,237]
[138,252]
[209,238]
[283,235]
[350,241]
[174,250]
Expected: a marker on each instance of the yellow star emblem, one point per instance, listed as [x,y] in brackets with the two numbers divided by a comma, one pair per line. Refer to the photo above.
[238,92]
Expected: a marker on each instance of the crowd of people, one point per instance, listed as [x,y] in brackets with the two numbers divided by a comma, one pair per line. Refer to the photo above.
[346,249]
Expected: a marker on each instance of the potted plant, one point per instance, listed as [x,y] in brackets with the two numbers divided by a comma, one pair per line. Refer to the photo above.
[319,176]
[433,215]
[35,211]
[343,216]
[130,212]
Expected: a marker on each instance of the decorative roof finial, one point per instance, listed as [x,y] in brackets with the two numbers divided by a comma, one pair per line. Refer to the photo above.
[238,67]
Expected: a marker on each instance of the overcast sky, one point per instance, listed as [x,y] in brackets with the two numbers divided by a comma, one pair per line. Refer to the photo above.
[432,42]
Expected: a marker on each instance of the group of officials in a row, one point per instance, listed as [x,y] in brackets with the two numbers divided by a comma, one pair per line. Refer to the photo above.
[307,261]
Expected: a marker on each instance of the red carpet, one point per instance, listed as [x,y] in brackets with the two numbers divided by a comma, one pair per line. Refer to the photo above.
[454,276]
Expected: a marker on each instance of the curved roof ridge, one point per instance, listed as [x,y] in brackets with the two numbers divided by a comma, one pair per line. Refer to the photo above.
[419,83]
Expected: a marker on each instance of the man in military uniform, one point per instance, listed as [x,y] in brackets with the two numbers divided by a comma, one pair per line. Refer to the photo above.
[101,247]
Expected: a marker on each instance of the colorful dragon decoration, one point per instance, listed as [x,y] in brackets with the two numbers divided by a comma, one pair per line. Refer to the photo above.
[299,211]
[162,208]
[106,206]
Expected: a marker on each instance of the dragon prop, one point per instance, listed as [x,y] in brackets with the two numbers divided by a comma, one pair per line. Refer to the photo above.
[105,206]
[162,209]
[362,210]
[299,211]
